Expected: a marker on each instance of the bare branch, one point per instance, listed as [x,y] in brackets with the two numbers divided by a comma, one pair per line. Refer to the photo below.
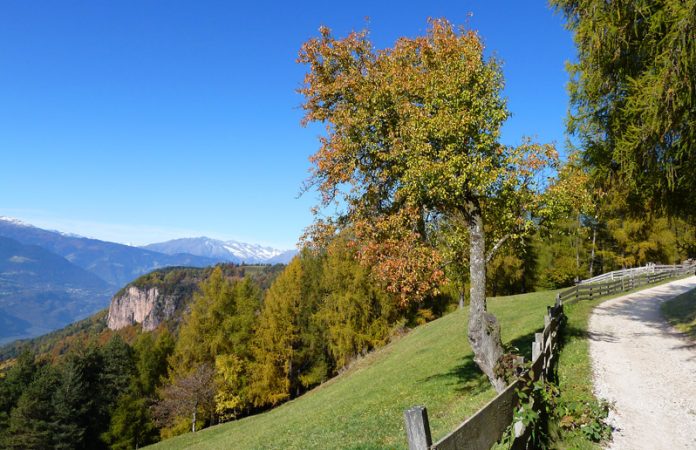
[496,247]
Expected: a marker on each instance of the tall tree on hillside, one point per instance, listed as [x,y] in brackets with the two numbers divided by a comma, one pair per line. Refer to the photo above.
[289,346]
[357,314]
[412,137]
[633,96]
[151,360]
[217,333]
[82,400]
[131,423]
[221,321]
[15,381]
[32,422]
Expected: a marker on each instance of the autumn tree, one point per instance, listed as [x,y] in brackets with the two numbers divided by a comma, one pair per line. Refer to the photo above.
[191,394]
[288,345]
[412,139]
[218,333]
[633,96]
[356,312]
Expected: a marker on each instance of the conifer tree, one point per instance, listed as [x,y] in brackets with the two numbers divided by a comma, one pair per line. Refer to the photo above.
[32,421]
[633,97]
[288,349]
[357,313]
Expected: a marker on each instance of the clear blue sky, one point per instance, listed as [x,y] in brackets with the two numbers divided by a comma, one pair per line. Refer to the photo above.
[142,121]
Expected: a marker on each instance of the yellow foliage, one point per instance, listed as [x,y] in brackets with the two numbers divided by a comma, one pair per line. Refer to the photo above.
[228,379]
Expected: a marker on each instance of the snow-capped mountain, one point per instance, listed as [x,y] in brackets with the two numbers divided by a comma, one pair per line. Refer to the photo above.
[117,264]
[231,251]
[13,221]
[49,279]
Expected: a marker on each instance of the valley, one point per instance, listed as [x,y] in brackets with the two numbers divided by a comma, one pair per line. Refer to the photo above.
[49,279]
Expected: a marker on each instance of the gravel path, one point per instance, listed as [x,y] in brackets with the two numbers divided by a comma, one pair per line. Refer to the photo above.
[646,369]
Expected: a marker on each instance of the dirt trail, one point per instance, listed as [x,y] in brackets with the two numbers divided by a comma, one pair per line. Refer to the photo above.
[647,369]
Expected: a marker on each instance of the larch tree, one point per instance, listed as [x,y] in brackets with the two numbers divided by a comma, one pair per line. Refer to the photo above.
[289,354]
[412,139]
[633,97]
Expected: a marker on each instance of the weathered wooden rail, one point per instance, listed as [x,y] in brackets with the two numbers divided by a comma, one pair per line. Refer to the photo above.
[487,426]
[625,283]
[632,272]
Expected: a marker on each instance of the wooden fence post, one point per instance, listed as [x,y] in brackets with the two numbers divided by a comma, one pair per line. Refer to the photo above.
[418,428]
[536,345]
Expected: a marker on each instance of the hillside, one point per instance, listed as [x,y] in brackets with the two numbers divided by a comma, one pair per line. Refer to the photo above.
[41,291]
[177,284]
[363,408]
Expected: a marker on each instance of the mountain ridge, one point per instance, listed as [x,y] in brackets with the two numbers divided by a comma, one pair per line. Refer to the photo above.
[49,278]
[230,251]
[115,263]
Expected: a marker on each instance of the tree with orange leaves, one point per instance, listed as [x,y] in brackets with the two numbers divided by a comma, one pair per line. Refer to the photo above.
[412,142]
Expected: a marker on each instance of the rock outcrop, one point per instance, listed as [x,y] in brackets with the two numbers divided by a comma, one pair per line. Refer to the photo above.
[146,306]
[165,295]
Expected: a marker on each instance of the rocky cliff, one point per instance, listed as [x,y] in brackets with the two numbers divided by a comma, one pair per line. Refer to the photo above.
[146,306]
[163,295]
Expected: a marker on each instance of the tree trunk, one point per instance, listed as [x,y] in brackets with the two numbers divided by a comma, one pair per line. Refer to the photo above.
[193,421]
[461,298]
[484,330]
[594,239]
[577,246]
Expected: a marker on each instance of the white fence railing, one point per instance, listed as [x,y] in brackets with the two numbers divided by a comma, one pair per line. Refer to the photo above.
[633,272]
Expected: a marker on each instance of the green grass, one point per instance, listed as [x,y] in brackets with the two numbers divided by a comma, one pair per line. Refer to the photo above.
[432,366]
[681,313]
[574,366]
[363,408]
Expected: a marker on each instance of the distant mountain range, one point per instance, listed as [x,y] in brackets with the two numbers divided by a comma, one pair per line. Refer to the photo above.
[41,291]
[117,264]
[230,251]
[49,279]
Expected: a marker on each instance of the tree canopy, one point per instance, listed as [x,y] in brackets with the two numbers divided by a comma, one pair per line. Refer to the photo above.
[633,96]
[412,141]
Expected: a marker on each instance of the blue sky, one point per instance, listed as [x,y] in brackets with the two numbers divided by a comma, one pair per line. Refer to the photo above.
[142,121]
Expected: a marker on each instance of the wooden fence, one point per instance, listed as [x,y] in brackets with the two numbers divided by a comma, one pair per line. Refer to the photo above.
[625,283]
[487,426]
[632,272]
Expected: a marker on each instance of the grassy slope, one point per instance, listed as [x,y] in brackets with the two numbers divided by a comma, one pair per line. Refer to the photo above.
[431,366]
[363,408]
[681,313]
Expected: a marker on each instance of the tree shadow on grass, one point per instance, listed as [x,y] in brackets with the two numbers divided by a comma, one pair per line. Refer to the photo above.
[467,378]
[571,333]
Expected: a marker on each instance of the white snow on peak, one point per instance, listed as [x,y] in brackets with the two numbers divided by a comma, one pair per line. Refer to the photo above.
[250,251]
[14,221]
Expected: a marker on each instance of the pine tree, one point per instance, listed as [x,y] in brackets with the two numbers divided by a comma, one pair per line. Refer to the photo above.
[32,421]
